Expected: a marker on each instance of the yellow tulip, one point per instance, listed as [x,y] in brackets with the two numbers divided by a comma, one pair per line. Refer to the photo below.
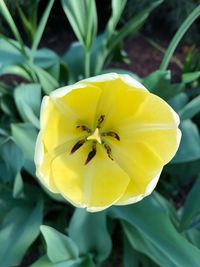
[104,141]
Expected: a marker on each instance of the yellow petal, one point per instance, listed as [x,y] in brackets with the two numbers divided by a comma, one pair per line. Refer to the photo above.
[148,141]
[96,185]
[121,97]
[56,127]
[82,100]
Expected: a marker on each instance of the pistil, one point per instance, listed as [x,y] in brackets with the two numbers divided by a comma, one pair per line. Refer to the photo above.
[96,136]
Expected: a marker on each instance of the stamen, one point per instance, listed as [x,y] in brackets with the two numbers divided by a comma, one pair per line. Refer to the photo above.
[91,154]
[84,128]
[109,151]
[100,120]
[77,146]
[112,134]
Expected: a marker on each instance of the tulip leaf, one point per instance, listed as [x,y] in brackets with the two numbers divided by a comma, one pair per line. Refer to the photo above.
[191,109]
[11,160]
[18,186]
[45,58]
[189,149]
[90,233]
[74,58]
[47,81]
[190,76]
[15,69]
[117,9]
[134,24]
[43,262]
[151,221]
[18,231]
[59,246]
[191,207]
[83,19]
[25,135]
[41,27]
[159,83]
[28,100]
[131,256]
[142,244]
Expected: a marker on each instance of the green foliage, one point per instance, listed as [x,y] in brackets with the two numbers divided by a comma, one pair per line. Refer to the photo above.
[151,233]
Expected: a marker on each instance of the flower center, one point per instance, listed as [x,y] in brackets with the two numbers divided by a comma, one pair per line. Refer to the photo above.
[96,137]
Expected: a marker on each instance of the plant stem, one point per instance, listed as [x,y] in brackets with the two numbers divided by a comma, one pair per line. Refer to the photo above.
[87,63]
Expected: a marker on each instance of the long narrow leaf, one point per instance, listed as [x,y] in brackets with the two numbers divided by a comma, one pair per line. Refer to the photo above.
[41,27]
[178,36]
[83,19]
[117,9]
[5,12]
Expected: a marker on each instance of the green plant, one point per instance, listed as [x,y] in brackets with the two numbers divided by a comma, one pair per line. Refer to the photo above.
[34,221]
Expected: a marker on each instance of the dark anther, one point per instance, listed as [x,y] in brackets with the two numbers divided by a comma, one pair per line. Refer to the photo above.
[84,128]
[77,146]
[112,134]
[109,151]
[100,120]
[91,154]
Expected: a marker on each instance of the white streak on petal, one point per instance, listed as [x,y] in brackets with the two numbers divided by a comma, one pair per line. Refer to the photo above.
[152,184]
[66,89]
[39,150]
[132,82]
[131,200]
[175,116]
[102,78]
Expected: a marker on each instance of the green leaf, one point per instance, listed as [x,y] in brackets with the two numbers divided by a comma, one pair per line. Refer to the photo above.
[43,262]
[5,12]
[179,101]
[59,246]
[189,149]
[191,207]
[191,109]
[190,76]
[25,135]
[90,233]
[7,105]
[150,219]
[45,58]
[140,243]
[134,24]
[159,83]
[11,160]
[9,54]
[178,36]
[83,19]
[18,186]
[130,257]
[18,231]
[117,9]
[28,99]
[47,81]
[15,70]
[41,27]
[74,58]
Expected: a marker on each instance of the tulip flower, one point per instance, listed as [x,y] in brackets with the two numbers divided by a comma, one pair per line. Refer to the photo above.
[104,141]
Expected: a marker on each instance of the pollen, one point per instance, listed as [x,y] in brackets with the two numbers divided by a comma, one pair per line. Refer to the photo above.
[96,136]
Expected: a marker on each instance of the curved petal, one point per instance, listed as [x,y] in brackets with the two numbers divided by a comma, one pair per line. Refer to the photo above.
[96,185]
[148,140]
[60,116]
[121,97]
[82,99]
